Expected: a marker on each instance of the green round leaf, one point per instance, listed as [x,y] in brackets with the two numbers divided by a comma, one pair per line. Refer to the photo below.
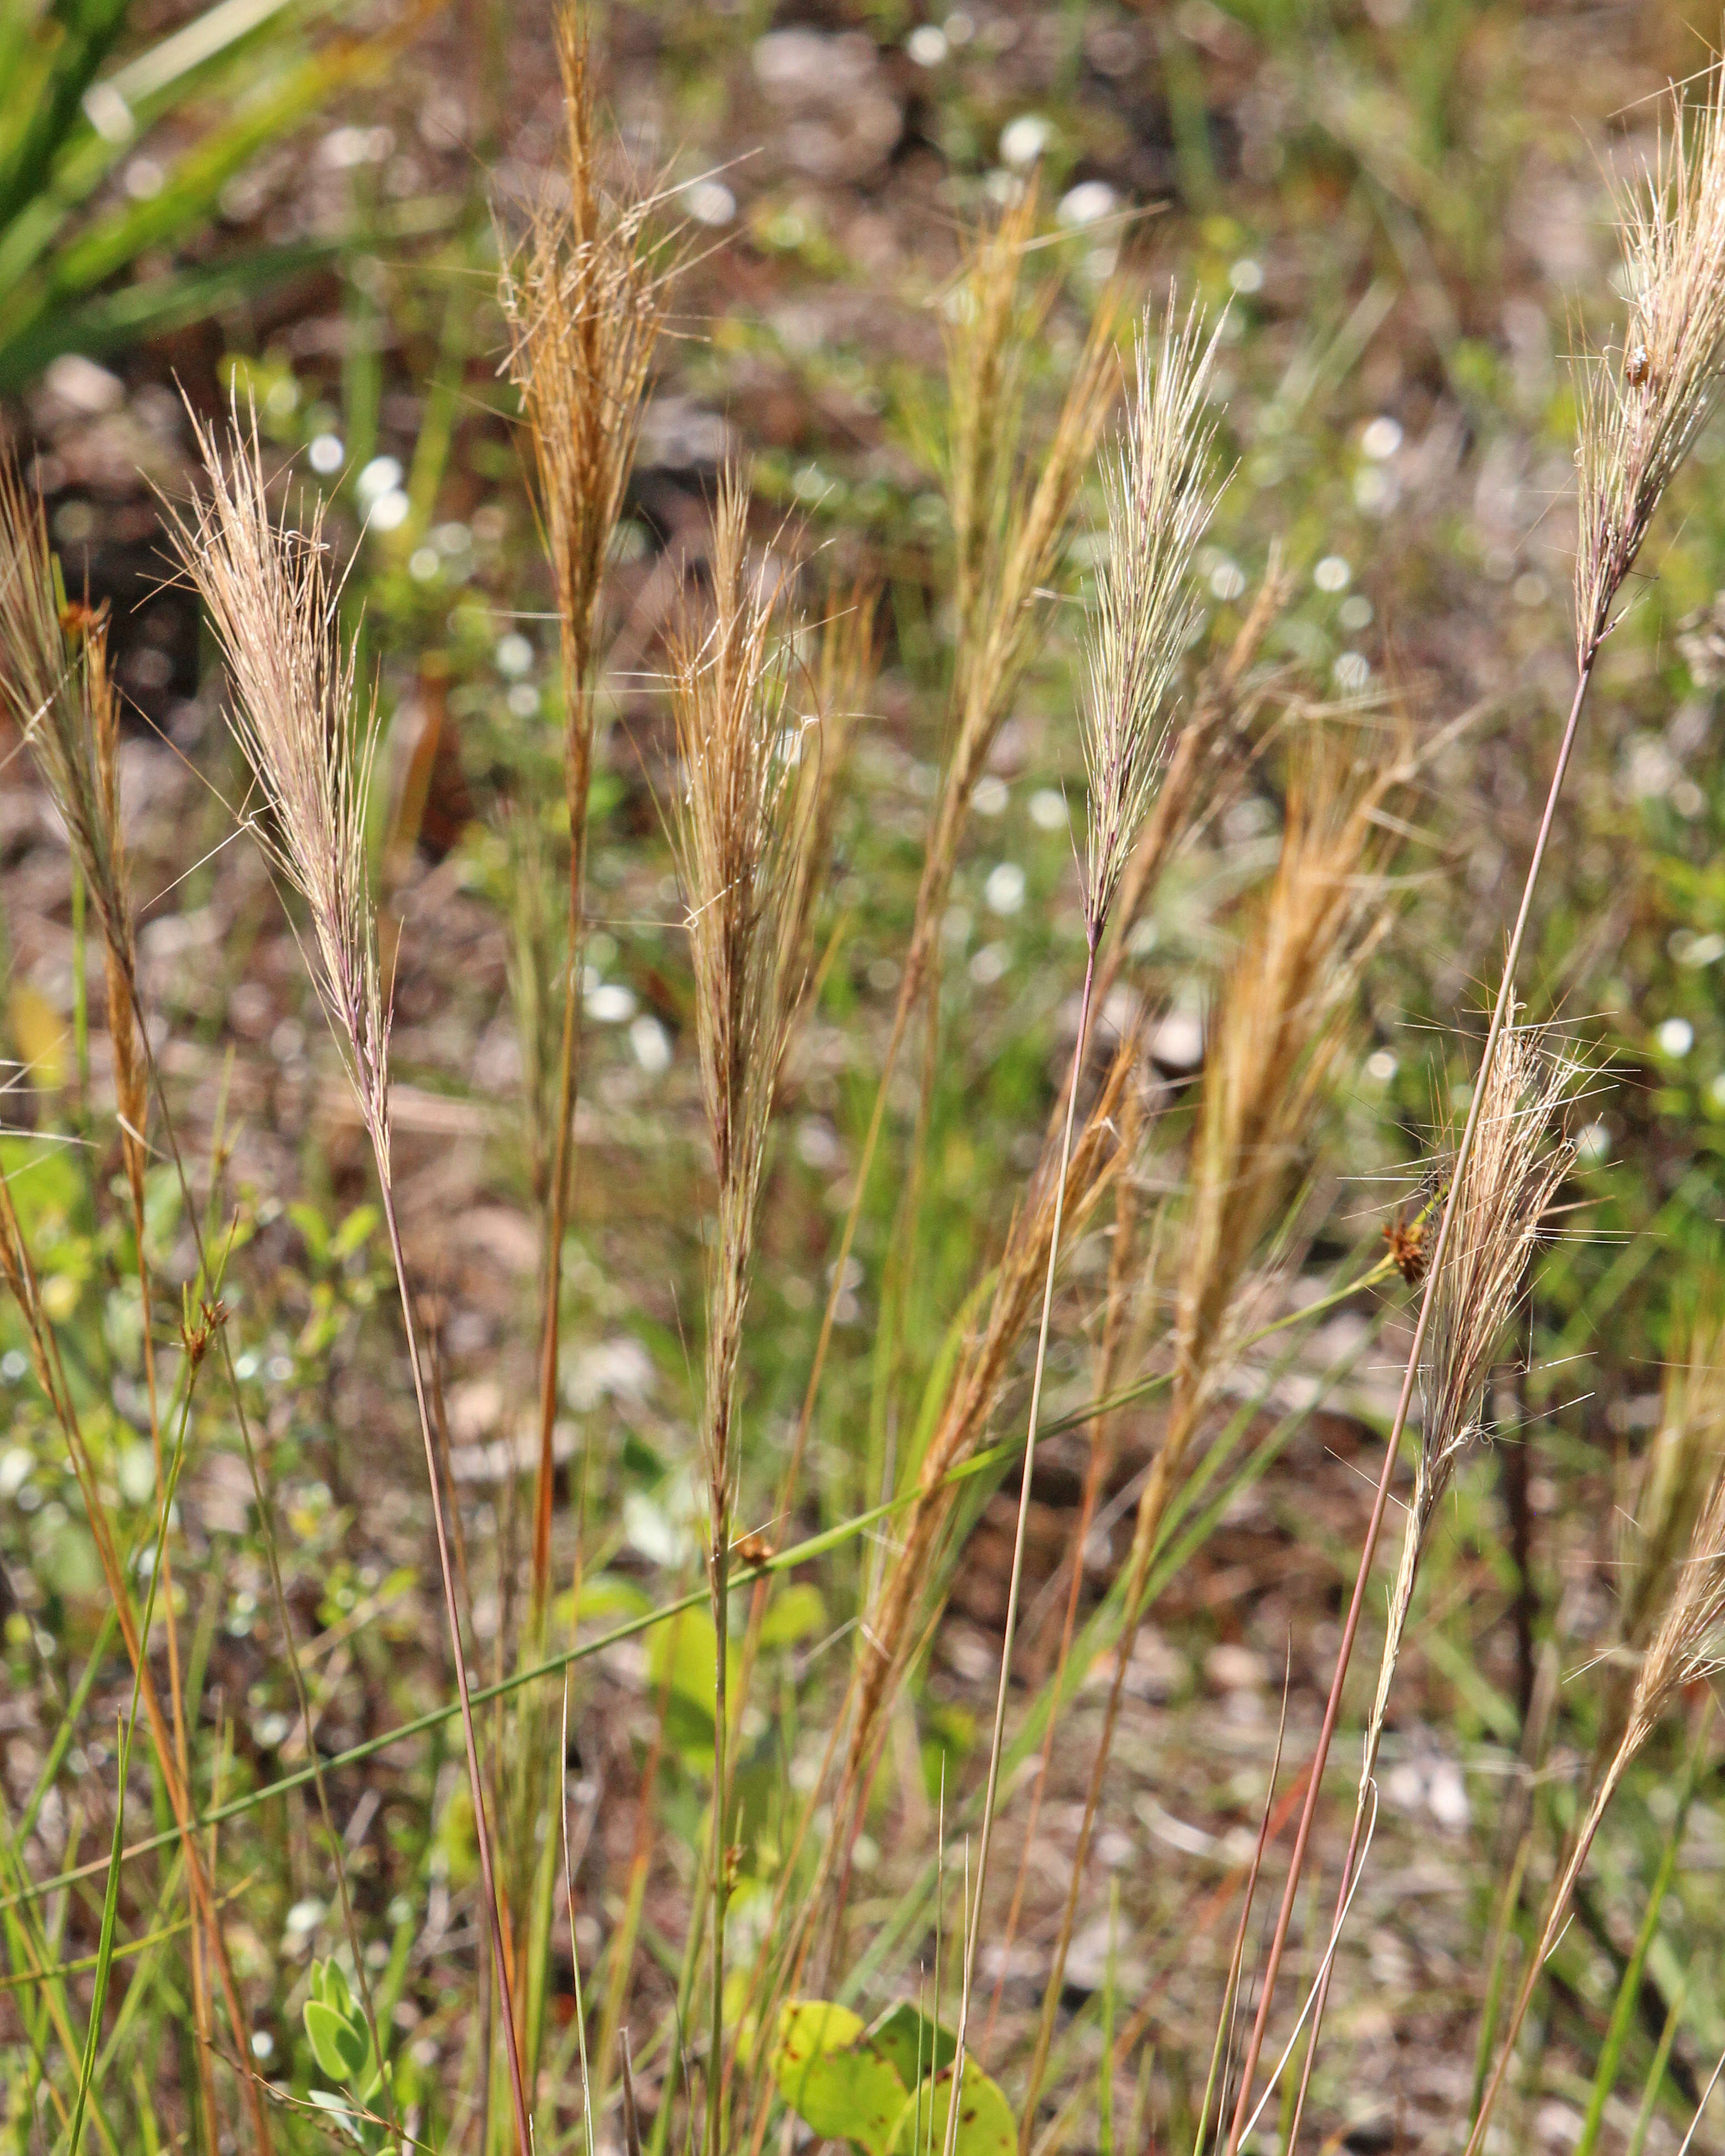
[341,2049]
[985,2127]
[833,2078]
[916,2046]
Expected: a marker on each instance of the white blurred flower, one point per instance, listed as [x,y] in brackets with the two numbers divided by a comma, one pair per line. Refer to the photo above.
[1004,890]
[1023,140]
[1676,1037]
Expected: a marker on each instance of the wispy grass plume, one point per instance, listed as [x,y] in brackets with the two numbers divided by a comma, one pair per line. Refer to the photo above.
[1506,1189]
[1640,416]
[272,604]
[1671,1482]
[1159,497]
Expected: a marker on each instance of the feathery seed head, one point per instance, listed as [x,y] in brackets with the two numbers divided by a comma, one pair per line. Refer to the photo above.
[1280,1018]
[1689,1642]
[740,831]
[1507,1185]
[1011,519]
[1158,503]
[584,295]
[1508,1182]
[1638,421]
[737,831]
[55,686]
[293,712]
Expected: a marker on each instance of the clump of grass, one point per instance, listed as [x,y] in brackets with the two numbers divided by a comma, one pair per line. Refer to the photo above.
[294,714]
[56,685]
[1013,511]
[742,827]
[1635,426]
[1281,1020]
[1159,502]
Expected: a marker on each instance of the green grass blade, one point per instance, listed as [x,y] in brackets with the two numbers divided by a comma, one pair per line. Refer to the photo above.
[105,1947]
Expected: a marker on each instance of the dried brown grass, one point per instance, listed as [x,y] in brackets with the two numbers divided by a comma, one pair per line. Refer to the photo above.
[1012,509]
[1640,418]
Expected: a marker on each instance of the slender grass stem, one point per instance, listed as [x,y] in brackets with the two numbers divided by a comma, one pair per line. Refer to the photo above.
[985,1835]
[1380,1502]
[719,1572]
[482,1832]
[579,760]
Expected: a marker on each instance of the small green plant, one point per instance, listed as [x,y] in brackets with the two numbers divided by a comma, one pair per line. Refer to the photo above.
[341,2042]
[886,2089]
[68,124]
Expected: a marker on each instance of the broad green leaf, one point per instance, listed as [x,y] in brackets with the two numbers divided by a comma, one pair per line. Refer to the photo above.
[340,2048]
[916,2047]
[43,1177]
[354,1232]
[835,2080]
[604,1595]
[685,1654]
[314,1230]
[986,2126]
[793,1615]
[335,1992]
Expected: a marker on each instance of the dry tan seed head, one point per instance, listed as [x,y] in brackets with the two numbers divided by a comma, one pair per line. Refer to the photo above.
[1158,502]
[1638,421]
[294,714]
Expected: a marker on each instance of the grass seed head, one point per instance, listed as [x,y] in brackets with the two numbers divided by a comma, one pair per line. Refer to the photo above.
[584,294]
[55,686]
[1279,1020]
[1158,504]
[1507,1188]
[740,831]
[1511,1177]
[294,713]
[1640,420]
